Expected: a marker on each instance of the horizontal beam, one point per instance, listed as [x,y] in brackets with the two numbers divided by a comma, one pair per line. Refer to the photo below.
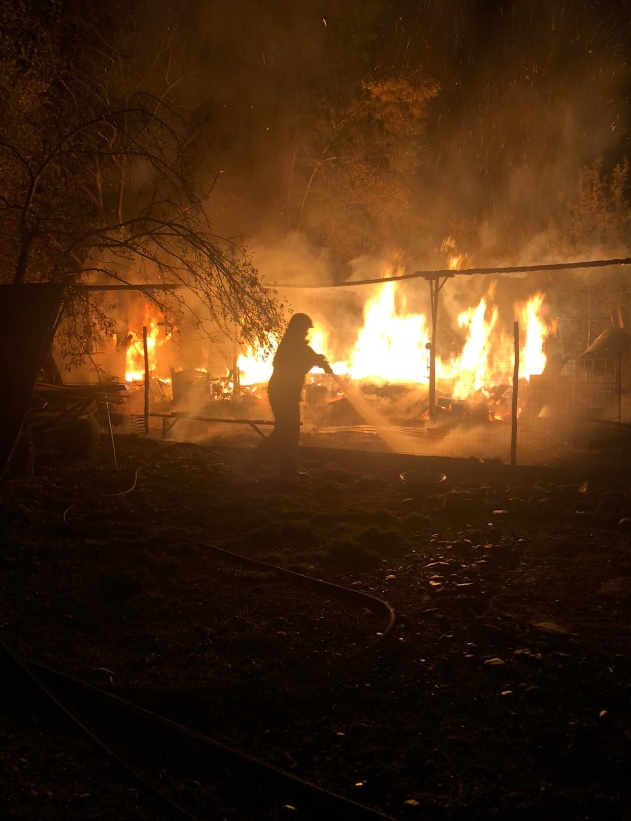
[427,275]
[448,272]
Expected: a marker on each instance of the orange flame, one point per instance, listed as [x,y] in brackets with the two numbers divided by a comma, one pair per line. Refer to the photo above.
[135,356]
[255,368]
[391,346]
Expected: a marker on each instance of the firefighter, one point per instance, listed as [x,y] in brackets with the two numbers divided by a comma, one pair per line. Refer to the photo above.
[293,360]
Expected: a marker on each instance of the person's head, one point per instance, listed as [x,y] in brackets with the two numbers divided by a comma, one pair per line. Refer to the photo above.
[298,327]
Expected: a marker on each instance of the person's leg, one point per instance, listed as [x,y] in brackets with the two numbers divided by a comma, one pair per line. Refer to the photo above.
[286,433]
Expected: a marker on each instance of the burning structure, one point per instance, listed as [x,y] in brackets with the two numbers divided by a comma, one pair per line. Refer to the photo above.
[393,385]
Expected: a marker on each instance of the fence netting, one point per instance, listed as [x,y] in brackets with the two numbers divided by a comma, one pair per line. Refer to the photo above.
[555,414]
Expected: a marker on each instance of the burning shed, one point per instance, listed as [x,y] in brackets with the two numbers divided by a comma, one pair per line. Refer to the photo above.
[492,364]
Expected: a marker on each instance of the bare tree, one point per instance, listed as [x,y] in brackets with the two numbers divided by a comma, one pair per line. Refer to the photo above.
[100,180]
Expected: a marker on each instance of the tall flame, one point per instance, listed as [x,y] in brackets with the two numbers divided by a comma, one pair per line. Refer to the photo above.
[537,331]
[135,355]
[476,366]
[391,345]
[389,341]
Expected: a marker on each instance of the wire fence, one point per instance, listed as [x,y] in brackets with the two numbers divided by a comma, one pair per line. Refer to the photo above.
[475,415]
[468,410]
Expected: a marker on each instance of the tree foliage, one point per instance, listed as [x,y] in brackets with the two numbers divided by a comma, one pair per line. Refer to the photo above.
[598,216]
[357,195]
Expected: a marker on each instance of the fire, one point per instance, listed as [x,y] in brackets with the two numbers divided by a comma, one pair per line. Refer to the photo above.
[255,368]
[456,260]
[386,344]
[391,346]
[135,357]
[537,331]
[476,366]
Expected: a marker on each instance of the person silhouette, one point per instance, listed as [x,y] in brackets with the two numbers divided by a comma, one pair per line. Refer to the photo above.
[293,360]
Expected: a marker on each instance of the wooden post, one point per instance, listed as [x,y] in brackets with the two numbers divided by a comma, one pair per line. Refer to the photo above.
[145,350]
[109,424]
[434,289]
[513,437]
[619,385]
[435,284]
[236,382]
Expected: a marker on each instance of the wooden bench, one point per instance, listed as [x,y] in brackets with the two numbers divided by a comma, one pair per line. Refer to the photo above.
[169,420]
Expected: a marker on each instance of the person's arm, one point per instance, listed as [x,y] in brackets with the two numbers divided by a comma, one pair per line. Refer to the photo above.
[325,365]
[322,362]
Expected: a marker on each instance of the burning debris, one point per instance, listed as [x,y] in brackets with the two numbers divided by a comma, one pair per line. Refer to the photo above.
[388,361]
[387,378]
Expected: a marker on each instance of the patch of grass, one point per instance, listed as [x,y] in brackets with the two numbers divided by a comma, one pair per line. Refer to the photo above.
[161,568]
[243,510]
[327,518]
[334,472]
[414,520]
[304,568]
[365,483]
[120,586]
[378,516]
[329,490]
[382,540]
[299,532]
[350,555]
[354,516]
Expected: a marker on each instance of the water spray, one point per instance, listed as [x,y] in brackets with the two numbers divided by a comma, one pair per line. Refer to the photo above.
[395,441]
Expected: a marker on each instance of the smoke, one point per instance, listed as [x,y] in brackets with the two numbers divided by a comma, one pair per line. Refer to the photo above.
[530,93]
[291,260]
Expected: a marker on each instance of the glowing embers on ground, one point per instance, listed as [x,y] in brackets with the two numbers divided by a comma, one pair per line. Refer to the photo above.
[392,346]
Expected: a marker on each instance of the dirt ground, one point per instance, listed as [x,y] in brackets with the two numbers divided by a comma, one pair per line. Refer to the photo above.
[501,690]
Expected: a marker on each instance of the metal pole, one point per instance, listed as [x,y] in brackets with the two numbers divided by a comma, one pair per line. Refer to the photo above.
[145,350]
[513,437]
[619,386]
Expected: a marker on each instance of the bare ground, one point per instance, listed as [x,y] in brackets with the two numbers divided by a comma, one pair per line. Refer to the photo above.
[502,691]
